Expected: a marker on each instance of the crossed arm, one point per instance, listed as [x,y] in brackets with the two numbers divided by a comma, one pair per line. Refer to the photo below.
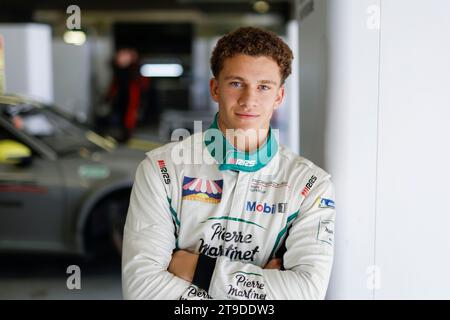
[184,263]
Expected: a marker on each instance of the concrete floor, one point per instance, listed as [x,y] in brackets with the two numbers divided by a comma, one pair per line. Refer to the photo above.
[43,277]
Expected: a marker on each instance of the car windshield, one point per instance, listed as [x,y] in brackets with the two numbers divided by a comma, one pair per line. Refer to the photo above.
[55,130]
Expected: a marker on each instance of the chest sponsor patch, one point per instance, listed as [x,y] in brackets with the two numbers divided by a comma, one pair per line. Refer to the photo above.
[262,186]
[201,189]
[253,206]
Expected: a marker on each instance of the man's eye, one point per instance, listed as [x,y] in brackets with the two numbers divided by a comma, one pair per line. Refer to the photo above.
[264,87]
[236,84]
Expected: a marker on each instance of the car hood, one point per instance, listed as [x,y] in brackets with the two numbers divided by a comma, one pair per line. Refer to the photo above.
[102,169]
[123,160]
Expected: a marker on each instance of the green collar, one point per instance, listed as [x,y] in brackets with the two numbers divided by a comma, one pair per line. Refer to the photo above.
[229,158]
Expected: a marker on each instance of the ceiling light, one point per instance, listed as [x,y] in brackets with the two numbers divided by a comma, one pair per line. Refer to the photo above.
[162,70]
[261,6]
[74,37]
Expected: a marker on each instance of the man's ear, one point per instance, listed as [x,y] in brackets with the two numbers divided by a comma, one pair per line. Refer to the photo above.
[214,89]
[279,98]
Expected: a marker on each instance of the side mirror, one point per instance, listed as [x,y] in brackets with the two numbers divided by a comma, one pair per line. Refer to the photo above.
[13,152]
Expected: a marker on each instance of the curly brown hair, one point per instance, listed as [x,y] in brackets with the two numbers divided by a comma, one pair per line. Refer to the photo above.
[253,42]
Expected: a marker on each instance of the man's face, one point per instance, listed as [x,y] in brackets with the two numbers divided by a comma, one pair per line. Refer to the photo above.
[247,90]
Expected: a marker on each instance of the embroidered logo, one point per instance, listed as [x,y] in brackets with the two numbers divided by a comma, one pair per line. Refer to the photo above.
[252,206]
[242,162]
[163,169]
[204,190]
[309,185]
[324,203]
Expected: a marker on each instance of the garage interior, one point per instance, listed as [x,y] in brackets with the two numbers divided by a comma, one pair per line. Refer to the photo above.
[367,101]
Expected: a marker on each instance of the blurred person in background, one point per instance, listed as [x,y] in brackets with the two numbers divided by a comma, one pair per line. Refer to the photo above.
[126,93]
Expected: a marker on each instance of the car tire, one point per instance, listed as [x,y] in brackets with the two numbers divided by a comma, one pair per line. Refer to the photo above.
[117,217]
[104,231]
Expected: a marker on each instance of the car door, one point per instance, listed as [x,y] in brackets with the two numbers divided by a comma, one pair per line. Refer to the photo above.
[31,202]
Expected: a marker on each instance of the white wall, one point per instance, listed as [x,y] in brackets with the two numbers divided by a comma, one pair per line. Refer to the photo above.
[350,141]
[413,247]
[71,65]
[28,60]
[199,88]
[374,103]
[288,114]
[313,71]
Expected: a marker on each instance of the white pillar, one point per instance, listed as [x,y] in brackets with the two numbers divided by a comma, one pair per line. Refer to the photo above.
[28,60]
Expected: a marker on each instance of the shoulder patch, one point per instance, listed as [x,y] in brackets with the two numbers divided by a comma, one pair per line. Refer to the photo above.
[313,177]
[164,172]
[325,232]
[312,180]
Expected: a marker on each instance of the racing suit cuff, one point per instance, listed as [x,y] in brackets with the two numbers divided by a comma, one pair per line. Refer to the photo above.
[204,271]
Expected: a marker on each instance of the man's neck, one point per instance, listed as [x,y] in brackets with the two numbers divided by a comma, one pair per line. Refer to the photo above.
[245,140]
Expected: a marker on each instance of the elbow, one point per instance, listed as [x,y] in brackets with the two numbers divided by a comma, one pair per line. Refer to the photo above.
[143,287]
[311,285]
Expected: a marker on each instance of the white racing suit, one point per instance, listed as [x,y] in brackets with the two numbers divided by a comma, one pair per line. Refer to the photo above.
[237,212]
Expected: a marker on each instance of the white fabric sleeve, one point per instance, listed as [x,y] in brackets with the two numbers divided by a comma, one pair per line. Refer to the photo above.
[149,240]
[307,261]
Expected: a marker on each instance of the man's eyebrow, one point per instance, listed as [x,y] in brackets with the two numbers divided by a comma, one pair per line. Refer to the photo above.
[234,77]
[268,82]
[259,81]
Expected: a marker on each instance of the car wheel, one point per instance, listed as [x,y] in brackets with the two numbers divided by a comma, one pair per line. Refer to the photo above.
[117,216]
[104,231]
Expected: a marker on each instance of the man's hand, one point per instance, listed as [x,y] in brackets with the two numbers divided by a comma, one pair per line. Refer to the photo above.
[183,264]
[275,263]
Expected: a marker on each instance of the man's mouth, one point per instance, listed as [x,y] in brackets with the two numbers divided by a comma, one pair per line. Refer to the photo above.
[246,115]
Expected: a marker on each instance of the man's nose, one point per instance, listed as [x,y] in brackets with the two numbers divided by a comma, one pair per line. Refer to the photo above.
[248,98]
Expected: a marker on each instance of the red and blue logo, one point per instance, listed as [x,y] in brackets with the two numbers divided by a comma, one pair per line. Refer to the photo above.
[200,189]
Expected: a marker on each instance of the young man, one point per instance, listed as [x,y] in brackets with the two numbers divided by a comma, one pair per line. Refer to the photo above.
[251,220]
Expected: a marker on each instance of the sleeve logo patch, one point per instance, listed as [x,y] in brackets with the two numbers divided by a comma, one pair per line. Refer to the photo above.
[309,185]
[324,203]
[325,233]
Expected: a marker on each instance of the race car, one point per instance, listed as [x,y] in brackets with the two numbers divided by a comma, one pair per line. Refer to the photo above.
[63,187]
